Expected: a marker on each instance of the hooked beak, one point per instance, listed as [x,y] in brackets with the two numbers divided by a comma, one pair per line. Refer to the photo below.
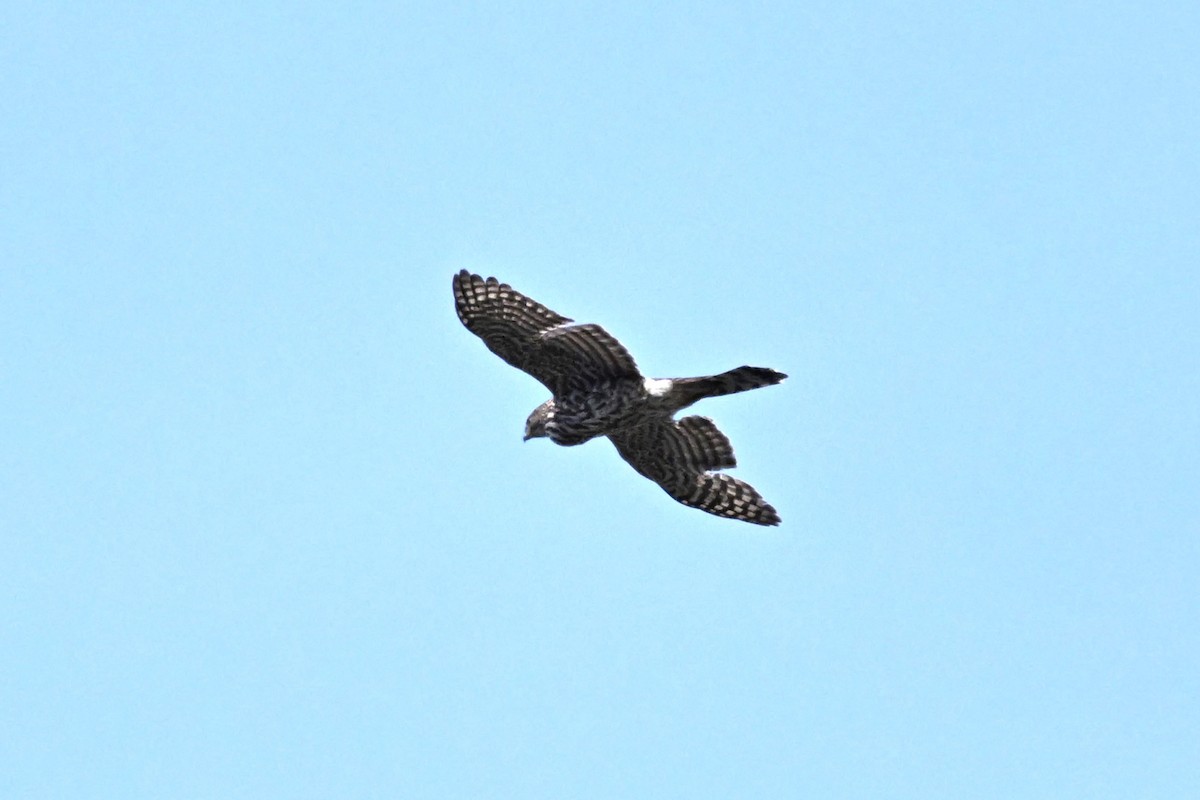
[526,438]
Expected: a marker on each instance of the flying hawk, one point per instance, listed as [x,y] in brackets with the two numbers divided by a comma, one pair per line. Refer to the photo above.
[598,391]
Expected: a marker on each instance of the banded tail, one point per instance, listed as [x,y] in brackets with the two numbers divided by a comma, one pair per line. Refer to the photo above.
[742,379]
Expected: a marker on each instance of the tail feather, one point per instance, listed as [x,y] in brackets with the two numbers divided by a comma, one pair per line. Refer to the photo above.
[741,379]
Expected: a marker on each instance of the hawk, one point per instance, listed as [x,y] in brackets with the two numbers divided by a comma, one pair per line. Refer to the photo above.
[598,391]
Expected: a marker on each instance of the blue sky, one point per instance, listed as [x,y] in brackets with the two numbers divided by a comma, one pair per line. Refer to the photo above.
[269,528]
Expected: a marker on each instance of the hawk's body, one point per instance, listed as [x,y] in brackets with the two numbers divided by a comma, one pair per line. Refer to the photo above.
[598,391]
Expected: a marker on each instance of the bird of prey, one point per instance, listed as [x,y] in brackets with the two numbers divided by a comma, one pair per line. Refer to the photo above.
[598,391]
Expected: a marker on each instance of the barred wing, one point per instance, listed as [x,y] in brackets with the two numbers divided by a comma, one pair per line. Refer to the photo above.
[678,456]
[535,339]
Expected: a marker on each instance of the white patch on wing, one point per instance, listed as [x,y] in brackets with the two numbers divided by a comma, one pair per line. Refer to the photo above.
[657,386]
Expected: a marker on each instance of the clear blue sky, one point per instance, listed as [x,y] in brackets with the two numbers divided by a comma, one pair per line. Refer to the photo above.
[269,529]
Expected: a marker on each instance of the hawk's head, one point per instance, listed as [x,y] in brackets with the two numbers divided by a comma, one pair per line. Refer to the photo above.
[535,426]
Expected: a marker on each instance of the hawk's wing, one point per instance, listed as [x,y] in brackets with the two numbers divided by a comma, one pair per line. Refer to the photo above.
[535,339]
[678,456]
